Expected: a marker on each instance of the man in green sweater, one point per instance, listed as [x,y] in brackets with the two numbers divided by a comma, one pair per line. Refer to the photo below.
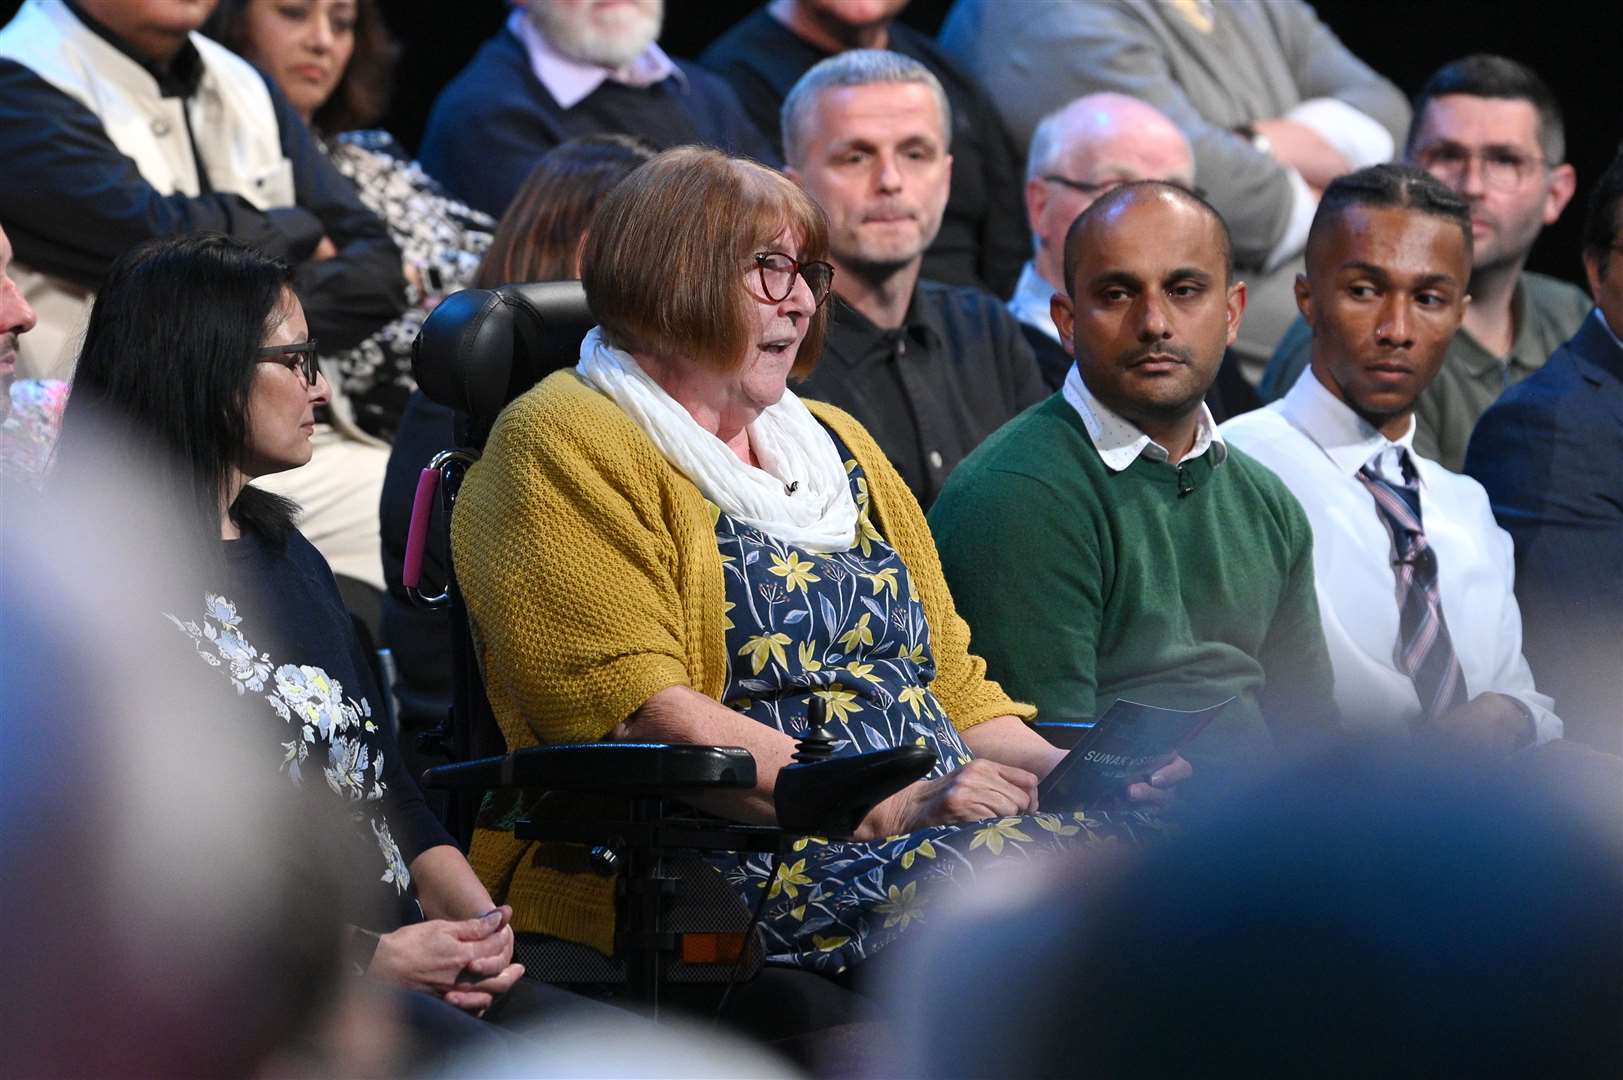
[1106,543]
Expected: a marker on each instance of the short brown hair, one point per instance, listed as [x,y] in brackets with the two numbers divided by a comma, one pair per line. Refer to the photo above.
[540,233]
[665,260]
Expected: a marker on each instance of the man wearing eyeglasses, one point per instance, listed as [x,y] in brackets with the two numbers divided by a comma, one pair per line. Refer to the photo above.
[1079,152]
[1491,129]
[929,369]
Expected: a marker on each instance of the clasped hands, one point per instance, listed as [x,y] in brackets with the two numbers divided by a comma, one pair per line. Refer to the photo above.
[465,962]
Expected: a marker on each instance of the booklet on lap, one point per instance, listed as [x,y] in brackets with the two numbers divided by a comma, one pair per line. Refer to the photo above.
[1124,746]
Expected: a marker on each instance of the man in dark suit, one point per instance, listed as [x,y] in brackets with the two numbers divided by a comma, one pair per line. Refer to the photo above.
[1550,453]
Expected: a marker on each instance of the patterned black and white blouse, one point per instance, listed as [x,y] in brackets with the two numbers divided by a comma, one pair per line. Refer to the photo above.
[444,239]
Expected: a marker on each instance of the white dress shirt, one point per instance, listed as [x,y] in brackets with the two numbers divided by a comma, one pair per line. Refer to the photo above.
[1029,304]
[1316,445]
[1120,442]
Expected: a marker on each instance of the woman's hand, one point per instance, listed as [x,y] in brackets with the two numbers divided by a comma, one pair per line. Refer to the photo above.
[1158,792]
[980,789]
[464,961]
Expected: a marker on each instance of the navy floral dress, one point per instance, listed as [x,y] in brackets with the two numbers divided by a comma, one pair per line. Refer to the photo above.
[849,628]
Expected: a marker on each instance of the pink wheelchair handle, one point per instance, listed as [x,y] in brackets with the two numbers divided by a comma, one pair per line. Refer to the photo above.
[422,510]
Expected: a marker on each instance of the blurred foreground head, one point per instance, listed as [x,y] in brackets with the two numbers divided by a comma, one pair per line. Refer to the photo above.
[169,909]
[1362,916]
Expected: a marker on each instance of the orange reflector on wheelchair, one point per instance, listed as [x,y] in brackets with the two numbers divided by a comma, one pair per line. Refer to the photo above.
[712,948]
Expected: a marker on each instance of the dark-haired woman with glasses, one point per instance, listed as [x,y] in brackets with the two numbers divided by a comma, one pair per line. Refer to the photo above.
[197,359]
[667,544]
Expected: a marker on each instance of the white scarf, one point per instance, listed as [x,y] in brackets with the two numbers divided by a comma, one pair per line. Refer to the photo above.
[795,452]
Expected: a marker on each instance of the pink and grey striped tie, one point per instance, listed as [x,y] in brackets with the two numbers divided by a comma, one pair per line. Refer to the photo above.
[1424,651]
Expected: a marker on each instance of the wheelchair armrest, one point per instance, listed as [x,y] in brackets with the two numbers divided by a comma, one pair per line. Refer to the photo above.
[629,769]
[831,797]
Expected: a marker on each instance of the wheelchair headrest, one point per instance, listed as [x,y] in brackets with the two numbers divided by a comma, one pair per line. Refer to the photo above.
[481,348]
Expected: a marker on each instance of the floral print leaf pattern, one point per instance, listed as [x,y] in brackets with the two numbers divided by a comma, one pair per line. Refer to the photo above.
[764,646]
[796,572]
[883,580]
[320,716]
[848,627]
[903,906]
[831,618]
[841,704]
[1053,824]
[994,834]
[789,878]
[858,635]
[924,850]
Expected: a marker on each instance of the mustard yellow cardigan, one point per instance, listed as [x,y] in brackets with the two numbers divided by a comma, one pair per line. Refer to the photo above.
[593,580]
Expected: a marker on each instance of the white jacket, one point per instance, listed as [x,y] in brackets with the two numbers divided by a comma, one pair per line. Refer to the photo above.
[232,120]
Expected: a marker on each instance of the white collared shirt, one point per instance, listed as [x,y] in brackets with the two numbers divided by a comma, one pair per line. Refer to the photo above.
[1120,442]
[1316,445]
[572,81]
[1029,304]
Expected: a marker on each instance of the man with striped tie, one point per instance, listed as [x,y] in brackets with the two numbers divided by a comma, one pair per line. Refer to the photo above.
[1414,577]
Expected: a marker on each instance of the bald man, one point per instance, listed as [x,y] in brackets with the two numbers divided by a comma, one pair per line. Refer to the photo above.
[1107,544]
[1079,152]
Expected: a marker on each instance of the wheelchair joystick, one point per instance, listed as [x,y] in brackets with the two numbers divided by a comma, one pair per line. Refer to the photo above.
[818,742]
[604,860]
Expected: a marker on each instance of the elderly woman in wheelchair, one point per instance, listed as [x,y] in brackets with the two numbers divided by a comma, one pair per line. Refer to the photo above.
[667,544]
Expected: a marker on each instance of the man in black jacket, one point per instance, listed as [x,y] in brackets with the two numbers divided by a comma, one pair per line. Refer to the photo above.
[930,369]
[983,235]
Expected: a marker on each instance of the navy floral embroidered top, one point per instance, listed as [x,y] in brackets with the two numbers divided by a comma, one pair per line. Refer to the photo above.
[279,631]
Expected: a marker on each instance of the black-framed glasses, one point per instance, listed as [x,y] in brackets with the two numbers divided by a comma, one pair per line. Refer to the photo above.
[778,272]
[1084,186]
[1503,168]
[1087,187]
[298,357]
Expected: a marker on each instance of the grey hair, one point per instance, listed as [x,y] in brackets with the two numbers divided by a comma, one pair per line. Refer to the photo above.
[1045,143]
[857,67]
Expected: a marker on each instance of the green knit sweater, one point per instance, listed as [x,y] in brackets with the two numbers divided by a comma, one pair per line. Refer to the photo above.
[1081,585]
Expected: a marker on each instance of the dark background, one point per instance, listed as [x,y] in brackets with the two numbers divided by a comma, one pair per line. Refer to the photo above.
[1580,55]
